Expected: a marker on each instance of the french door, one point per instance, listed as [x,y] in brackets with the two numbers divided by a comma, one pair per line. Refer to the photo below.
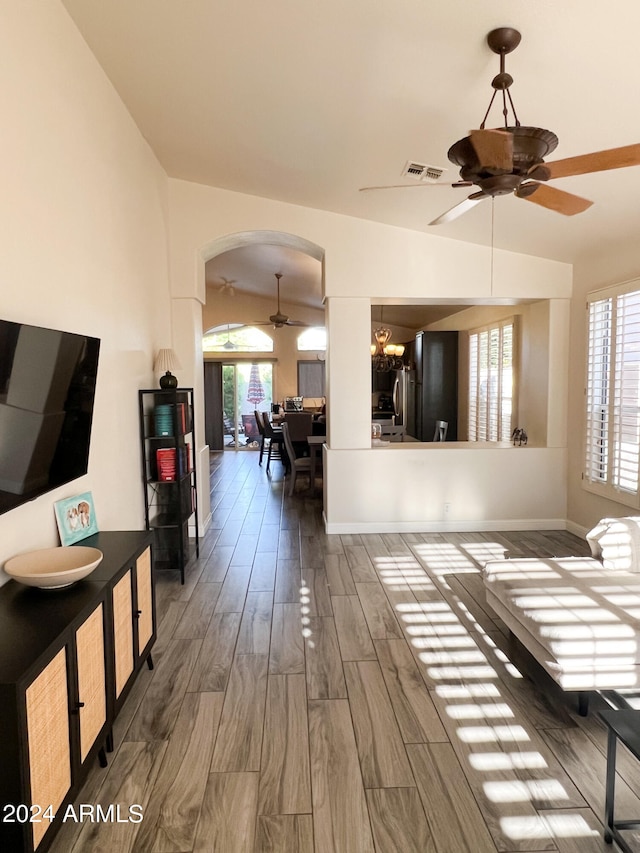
[246,386]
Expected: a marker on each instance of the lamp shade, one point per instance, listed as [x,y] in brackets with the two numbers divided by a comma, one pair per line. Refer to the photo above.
[167,361]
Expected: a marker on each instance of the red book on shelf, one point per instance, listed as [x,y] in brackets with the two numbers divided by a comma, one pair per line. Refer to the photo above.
[166,461]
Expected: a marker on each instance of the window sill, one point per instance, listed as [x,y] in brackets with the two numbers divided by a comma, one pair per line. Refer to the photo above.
[604,490]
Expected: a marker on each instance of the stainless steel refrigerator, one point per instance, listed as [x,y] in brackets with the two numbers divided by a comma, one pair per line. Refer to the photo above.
[402,397]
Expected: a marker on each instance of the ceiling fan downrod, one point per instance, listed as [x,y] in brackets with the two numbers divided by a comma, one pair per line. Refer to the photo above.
[502,41]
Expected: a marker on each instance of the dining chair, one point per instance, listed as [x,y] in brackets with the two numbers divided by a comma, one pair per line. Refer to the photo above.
[441,431]
[276,443]
[260,425]
[391,431]
[297,464]
[249,428]
[228,429]
[300,426]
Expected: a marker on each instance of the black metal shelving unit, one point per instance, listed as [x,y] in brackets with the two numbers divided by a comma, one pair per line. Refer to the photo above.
[167,439]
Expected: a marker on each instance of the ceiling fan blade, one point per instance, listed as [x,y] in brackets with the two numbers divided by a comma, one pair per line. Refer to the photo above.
[598,161]
[425,184]
[494,149]
[553,199]
[458,210]
[296,323]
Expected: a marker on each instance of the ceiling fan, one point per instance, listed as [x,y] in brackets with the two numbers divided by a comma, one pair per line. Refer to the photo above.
[278,320]
[511,159]
[227,286]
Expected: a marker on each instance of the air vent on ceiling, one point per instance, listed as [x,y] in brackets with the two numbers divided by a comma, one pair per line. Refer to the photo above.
[421,172]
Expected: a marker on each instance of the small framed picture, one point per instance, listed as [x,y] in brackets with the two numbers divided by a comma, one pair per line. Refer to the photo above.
[76,518]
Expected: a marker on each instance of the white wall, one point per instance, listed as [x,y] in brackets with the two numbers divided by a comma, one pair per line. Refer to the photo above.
[83,223]
[361,258]
[442,488]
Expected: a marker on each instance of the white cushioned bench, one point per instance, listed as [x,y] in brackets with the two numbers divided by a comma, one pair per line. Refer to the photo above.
[578,616]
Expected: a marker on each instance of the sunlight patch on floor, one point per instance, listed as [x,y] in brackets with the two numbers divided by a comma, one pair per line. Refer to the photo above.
[402,570]
[496,761]
[493,734]
[461,692]
[444,558]
[569,826]
[482,552]
[462,664]
[479,712]
[547,827]
[521,792]
[417,625]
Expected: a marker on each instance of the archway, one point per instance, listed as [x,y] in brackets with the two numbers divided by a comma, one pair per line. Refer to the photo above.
[247,254]
[219,245]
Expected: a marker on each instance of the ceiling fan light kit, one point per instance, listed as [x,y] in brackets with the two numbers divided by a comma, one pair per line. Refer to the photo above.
[229,344]
[510,160]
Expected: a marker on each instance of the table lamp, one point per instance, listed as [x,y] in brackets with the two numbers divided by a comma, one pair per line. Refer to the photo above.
[166,361]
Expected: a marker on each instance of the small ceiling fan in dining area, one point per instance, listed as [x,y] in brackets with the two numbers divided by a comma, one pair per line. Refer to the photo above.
[227,286]
[278,320]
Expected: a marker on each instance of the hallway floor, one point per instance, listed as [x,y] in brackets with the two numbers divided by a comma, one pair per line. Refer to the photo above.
[345,693]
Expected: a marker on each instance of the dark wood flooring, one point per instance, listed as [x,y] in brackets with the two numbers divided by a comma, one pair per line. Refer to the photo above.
[345,693]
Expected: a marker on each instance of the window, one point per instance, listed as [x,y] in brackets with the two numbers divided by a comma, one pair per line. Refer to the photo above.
[613,394]
[491,375]
[235,337]
[314,338]
[311,378]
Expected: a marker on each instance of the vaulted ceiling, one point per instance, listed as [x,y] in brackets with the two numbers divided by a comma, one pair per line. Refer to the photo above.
[308,102]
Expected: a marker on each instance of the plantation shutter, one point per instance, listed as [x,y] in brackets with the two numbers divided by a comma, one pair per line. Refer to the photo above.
[625,403]
[598,372]
[483,387]
[613,394]
[506,386]
[491,383]
[474,374]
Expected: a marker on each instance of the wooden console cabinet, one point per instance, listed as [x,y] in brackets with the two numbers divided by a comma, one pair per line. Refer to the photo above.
[68,659]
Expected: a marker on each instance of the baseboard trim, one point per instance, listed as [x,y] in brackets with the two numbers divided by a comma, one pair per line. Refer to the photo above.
[445,526]
[577,529]
[202,528]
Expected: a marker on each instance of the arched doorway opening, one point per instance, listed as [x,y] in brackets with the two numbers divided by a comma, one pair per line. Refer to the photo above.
[240,292]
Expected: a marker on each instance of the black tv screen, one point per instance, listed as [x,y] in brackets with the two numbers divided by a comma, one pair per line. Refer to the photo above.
[47,389]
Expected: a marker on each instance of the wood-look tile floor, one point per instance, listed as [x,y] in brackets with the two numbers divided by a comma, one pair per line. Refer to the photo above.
[344,693]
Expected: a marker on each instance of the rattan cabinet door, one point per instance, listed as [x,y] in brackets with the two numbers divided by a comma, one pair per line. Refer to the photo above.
[92,691]
[144,599]
[123,631]
[47,707]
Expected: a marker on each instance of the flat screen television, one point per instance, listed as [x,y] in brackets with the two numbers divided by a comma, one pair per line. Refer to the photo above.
[47,389]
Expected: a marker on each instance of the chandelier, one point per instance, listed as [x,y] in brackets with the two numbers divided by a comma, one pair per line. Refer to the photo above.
[386,356]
